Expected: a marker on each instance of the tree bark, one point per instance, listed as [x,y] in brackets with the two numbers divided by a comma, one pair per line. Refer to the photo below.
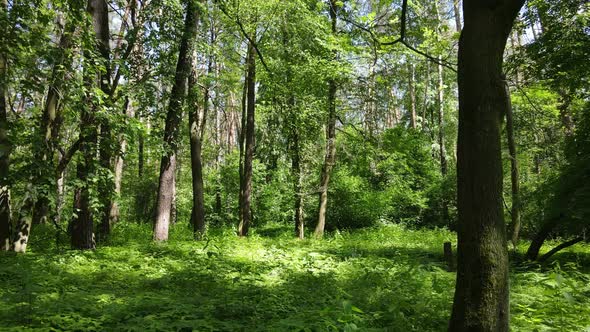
[245,221]
[481,294]
[5,146]
[330,156]
[171,130]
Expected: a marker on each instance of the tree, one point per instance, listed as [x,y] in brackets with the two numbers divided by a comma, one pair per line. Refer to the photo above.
[330,156]
[248,132]
[171,131]
[4,142]
[481,293]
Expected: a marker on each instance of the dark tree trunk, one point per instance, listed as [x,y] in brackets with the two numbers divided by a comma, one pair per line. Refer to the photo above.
[197,114]
[481,293]
[560,247]
[330,156]
[5,146]
[82,226]
[177,96]
[245,221]
[537,242]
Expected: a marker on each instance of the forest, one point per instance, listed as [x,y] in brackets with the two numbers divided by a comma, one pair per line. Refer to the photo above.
[296,165]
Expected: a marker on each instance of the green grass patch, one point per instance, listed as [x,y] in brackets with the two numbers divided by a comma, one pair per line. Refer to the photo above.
[386,278]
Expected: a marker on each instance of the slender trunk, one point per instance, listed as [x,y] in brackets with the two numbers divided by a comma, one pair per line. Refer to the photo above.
[140,152]
[514,176]
[441,122]
[330,157]
[195,122]
[481,294]
[5,146]
[560,247]
[296,173]
[114,213]
[241,141]
[412,90]
[245,221]
[171,130]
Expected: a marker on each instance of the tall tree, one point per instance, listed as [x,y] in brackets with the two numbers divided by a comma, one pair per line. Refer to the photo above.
[330,156]
[4,142]
[51,119]
[481,293]
[171,130]
[82,225]
[197,115]
[249,135]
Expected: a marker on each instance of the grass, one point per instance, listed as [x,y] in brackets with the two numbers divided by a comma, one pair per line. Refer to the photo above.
[387,278]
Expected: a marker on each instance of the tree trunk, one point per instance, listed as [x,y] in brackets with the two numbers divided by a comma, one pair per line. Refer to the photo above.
[171,130]
[244,225]
[114,213]
[5,146]
[412,90]
[560,247]
[82,226]
[481,293]
[197,114]
[330,156]
[514,177]
[441,122]
[537,242]
[457,12]
[50,125]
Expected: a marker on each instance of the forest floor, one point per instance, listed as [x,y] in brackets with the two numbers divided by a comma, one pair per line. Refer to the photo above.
[386,278]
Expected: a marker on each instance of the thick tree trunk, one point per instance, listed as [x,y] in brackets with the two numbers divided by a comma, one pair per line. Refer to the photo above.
[330,156]
[245,221]
[481,293]
[514,177]
[5,146]
[177,96]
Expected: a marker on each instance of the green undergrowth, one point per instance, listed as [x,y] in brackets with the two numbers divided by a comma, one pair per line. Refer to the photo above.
[386,278]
